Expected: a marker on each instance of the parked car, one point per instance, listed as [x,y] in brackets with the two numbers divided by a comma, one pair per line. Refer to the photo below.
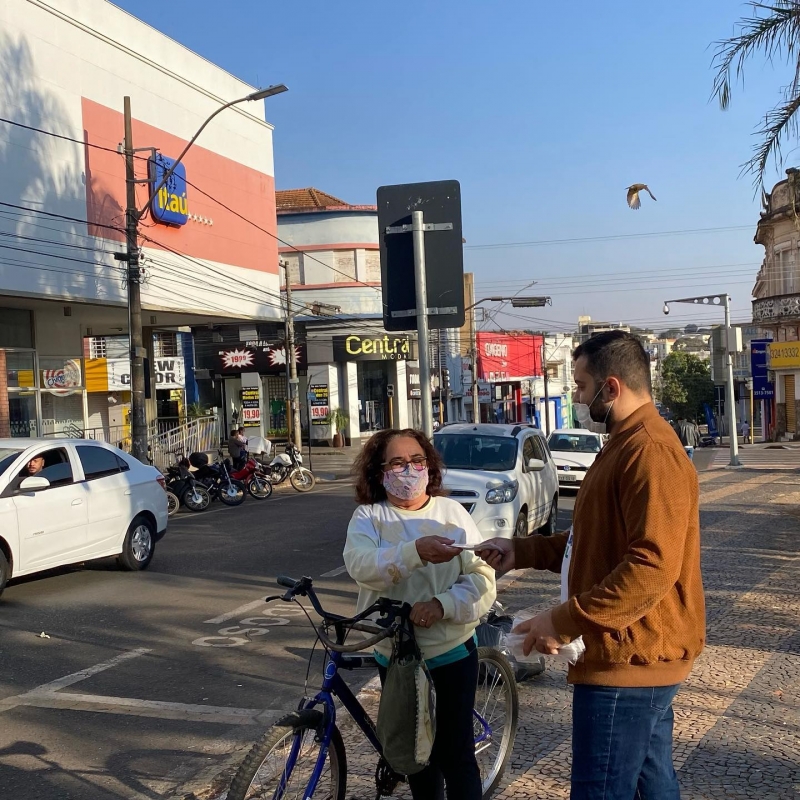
[503,475]
[574,451]
[64,501]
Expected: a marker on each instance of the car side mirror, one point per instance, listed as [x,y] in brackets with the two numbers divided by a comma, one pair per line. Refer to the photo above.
[535,464]
[34,484]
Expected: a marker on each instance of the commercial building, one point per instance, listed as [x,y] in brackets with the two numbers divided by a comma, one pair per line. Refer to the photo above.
[209,251]
[776,306]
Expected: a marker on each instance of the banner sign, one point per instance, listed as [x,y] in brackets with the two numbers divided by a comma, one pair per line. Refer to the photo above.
[170,374]
[390,347]
[266,358]
[759,358]
[319,400]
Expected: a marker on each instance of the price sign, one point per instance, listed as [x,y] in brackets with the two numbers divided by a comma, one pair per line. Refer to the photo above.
[251,406]
[319,400]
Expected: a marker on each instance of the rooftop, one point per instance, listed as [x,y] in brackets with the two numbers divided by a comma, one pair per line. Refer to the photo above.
[310,200]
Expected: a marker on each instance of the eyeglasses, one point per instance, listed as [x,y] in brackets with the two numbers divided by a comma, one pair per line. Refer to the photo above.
[400,465]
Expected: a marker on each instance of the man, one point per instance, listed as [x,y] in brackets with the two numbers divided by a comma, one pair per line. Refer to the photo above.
[34,466]
[632,585]
[689,434]
[746,433]
[235,444]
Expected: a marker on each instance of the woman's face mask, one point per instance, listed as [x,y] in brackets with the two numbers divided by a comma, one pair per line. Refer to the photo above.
[409,484]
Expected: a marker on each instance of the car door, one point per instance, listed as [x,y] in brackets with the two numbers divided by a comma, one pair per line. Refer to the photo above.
[542,492]
[106,478]
[52,522]
[530,482]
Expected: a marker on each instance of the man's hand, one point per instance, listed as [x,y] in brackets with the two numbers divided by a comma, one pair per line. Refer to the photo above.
[423,615]
[541,634]
[436,549]
[497,553]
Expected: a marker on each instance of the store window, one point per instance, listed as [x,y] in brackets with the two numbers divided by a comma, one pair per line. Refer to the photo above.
[61,388]
[373,378]
[18,395]
[165,345]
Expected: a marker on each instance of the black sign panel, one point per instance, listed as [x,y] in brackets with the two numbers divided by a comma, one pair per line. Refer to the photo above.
[266,358]
[440,202]
[389,347]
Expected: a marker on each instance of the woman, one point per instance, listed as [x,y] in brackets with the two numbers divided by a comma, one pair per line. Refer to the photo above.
[400,545]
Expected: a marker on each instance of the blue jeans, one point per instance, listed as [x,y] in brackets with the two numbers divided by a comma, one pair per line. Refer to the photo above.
[622,744]
[689,452]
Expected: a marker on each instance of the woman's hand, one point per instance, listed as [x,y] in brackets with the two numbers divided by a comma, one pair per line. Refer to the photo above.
[436,549]
[423,615]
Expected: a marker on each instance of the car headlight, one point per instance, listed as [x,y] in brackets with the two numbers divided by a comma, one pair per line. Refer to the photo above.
[502,494]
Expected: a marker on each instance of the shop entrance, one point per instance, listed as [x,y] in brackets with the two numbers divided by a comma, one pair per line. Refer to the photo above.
[373,407]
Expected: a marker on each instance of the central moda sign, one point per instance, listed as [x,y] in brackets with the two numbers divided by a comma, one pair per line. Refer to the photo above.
[170,205]
[372,348]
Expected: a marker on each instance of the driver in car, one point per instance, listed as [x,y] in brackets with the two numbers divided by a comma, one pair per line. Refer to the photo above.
[33,467]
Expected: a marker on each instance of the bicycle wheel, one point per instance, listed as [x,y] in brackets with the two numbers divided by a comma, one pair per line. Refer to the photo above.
[259,487]
[494,717]
[280,765]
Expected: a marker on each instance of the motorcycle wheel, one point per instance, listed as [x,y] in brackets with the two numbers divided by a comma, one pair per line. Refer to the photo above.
[303,480]
[173,504]
[232,494]
[259,487]
[197,498]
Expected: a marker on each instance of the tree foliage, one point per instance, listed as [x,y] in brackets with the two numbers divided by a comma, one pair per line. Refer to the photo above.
[686,384]
[772,32]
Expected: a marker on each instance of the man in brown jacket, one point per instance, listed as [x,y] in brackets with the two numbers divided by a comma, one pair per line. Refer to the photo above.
[632,577]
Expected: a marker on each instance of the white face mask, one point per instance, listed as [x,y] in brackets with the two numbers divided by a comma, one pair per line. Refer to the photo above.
[583,414]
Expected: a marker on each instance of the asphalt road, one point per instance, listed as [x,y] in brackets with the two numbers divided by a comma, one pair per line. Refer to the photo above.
[145,682]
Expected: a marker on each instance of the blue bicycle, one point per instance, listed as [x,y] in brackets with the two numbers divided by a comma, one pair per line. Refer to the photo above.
[303,755]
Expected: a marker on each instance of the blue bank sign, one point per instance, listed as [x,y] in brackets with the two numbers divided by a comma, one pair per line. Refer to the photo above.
[169,205]
[759,351]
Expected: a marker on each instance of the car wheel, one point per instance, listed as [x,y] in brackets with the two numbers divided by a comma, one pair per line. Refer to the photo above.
[5,571]
[521,525]
[549,527]
[139,545]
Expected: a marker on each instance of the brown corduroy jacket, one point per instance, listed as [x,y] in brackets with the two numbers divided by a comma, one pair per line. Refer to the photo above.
[635,588]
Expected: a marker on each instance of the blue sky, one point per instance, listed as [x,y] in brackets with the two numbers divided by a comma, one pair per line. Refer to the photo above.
[544,116]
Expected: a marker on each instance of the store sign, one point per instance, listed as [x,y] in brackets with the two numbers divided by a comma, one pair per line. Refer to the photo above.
[504,357]
[759,357]
[319,402]
[169,204]
[266,358]
[784,355]
[63,380]
[371,348]
[169,372]
[251,406]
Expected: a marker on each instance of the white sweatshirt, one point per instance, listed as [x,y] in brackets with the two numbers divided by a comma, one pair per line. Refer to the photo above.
[381,556]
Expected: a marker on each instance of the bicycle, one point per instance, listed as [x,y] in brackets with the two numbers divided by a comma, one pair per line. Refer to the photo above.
[303,754]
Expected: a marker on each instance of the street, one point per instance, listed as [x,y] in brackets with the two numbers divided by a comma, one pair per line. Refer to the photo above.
[182,662]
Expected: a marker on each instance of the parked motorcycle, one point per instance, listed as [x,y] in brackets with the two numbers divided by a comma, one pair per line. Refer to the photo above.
[252,475]
[181,484]
[217,479]
[289,464]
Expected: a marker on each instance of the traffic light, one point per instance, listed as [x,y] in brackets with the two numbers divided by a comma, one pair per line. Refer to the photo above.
[446,379]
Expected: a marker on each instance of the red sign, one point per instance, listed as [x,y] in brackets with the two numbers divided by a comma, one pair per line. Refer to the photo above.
[503,357]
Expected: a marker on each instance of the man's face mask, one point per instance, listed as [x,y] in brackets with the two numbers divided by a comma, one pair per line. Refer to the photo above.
[594,416]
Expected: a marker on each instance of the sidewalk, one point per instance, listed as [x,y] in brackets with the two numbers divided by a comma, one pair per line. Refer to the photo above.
[737,727]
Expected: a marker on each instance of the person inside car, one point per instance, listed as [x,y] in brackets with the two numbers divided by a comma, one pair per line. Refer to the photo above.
[33,467]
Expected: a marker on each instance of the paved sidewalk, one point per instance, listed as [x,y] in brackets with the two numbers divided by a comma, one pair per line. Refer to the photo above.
[737,731]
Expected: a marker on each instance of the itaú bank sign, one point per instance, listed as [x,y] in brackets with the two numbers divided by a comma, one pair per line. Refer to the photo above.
[169,205]
[371,348]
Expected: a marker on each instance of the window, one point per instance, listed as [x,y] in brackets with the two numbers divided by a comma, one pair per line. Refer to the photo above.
[97,462]
[373,259]
[294,268]
[124,466]
[785,270]
[539,449]
[464,451]
[527,451]
[56,469]
[344,262]
[574,443]
[98,347]
[165,345]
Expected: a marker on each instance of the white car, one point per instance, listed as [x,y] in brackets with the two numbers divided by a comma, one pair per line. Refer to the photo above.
[574,451]
[78,500]
[503,475]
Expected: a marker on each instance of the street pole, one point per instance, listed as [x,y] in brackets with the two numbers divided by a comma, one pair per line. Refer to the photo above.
[734,462]
[293,407]
[136,340]
[546,391]
[476,406]
[418,234]
[441,376]
[752,417]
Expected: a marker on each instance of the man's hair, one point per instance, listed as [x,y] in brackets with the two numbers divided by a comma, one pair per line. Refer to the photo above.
[617,354]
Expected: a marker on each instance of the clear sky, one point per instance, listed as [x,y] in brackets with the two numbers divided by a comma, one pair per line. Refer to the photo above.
[545,116]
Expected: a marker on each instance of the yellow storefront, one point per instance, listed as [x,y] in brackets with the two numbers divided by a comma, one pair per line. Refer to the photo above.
[784,361]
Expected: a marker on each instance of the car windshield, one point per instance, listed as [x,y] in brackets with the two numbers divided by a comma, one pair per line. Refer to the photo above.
[573,443]
[7,457]
[461,451]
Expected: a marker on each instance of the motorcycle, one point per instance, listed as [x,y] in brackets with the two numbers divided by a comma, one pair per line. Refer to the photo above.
[183,487]
[289,464]
[252,475]
[217,479]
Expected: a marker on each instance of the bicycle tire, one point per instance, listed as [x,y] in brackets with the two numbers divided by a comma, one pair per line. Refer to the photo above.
[296,723]
[493,668]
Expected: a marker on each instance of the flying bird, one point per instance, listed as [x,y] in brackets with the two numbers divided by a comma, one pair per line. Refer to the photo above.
[633,195]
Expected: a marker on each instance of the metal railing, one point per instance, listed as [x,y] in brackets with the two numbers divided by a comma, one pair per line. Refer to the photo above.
[200,434]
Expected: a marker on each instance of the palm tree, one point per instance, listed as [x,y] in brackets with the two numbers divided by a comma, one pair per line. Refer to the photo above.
[774,32]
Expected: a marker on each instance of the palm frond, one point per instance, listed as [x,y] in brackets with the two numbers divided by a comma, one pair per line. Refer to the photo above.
[774,33]
[779,123]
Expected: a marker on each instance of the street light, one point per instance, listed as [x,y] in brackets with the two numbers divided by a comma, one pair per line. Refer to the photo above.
[725,301]
[516,302]
[131,256]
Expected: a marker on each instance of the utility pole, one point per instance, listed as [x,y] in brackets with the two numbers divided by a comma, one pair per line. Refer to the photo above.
[729,389]
[476,407]
[137,350]
[292,407]
[546,390]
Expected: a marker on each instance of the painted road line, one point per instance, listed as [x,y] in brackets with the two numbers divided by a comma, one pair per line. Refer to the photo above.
[75,677]
[237,612]
[334,572]
[131,706]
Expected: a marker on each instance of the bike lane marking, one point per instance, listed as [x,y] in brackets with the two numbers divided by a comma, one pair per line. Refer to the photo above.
[240,634]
